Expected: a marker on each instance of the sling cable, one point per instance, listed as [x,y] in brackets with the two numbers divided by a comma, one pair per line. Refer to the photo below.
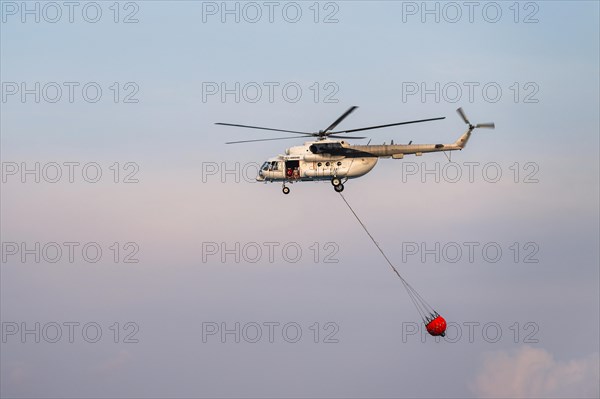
[435,324]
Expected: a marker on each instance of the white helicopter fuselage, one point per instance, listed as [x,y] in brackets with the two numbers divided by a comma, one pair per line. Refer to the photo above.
[300,164]
[326,159]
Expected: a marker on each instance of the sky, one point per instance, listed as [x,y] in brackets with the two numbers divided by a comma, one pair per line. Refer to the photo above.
[140,258]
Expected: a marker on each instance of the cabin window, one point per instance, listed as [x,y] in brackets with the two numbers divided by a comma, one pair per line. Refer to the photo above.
[265,166]
[326,163]
[339,163]
[319,164]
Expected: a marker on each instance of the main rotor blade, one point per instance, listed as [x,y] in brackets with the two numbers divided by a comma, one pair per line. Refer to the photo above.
[490,125]
[264,128]
[345,137]
[340,119]
[391,124]
[463,116]
[251,141]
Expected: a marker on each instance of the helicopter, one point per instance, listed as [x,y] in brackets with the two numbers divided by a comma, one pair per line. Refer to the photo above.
[337,160]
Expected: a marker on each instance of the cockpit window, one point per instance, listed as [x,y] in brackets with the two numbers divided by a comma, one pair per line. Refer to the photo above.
[270,165]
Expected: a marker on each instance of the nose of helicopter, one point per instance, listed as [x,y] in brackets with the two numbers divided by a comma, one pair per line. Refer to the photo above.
[260,177]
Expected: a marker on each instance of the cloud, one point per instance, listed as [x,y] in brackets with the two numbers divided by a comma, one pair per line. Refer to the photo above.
[531,372]
[17,374]
[115,363]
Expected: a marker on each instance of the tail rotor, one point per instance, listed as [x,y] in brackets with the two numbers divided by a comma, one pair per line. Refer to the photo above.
[489,125]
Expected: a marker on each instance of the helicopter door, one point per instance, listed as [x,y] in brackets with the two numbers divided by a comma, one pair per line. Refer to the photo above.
[292,169]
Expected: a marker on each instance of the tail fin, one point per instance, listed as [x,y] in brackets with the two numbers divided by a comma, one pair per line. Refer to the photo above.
[462,140]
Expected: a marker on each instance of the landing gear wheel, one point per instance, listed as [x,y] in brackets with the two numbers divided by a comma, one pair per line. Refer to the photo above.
[286,190]
[339,188]
[336,181]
